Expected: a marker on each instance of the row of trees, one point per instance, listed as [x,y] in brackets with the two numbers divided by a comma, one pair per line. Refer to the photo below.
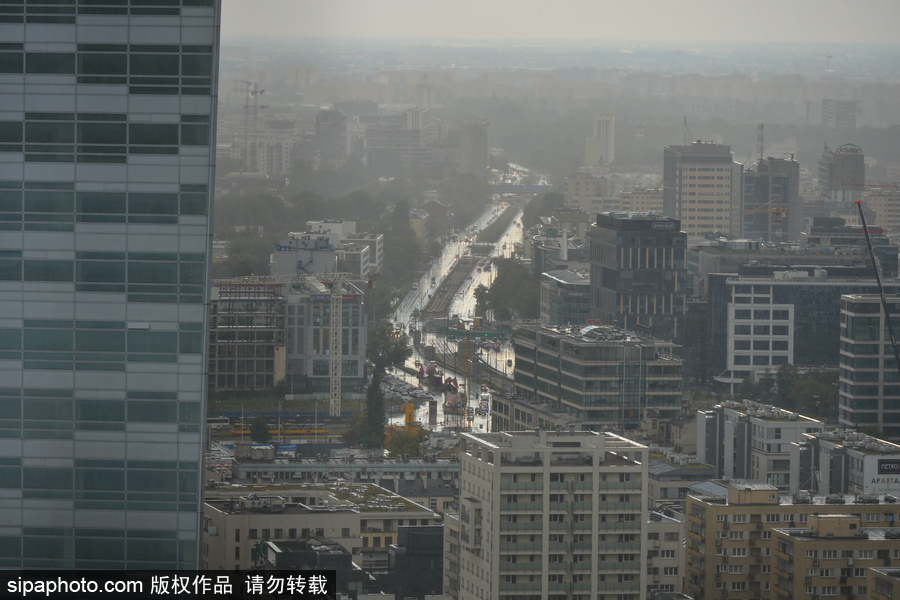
[813,392]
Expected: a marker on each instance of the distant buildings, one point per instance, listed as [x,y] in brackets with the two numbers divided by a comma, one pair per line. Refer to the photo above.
[772,192]
[701,187]
[641,200]
[839,114]
[586,191]
[638,273]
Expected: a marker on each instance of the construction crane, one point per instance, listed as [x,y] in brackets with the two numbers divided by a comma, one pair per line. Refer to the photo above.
[827,56]
[777,210]
[336,282]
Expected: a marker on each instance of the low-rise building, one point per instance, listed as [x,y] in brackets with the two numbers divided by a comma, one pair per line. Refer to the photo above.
[362,518]
[670,474]
[845,461]
[749,440]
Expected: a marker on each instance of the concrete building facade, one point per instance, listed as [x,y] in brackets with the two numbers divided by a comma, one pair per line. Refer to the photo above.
[546,515]
[602,376]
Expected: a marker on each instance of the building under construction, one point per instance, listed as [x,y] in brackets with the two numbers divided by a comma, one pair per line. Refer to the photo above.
[267,329]
[246,335]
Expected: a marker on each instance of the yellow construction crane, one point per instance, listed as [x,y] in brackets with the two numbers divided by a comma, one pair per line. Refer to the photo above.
[777,210]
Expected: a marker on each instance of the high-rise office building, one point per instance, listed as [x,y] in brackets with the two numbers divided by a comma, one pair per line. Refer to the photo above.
[771,203]
[842,172]
[701,187]
[107,134]
[869,389]
[638,272]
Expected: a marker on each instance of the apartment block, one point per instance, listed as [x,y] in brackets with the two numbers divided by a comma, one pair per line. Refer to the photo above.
[552,515]
[830,556]
[665,551]
[732,548]
[641,200]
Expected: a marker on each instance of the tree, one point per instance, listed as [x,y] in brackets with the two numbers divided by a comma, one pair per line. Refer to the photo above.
[403,441]
[375,414]
[259,431]
[385,349]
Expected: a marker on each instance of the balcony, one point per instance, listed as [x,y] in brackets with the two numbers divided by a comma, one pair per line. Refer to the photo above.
[520,547]
[521,506]
[521,486]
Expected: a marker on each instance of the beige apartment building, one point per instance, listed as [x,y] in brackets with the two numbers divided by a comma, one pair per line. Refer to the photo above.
[830,556]
[641,200]
[730,543]
[701,187]
[363,518]
[552,516]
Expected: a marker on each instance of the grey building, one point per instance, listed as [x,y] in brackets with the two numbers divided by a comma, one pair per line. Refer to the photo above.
[841,171]
[565,297]
[107,141]
[473,146]
[603,376]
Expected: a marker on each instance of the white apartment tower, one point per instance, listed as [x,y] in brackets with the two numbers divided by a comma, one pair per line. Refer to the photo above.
[107,140]
[552,515]
[600,149]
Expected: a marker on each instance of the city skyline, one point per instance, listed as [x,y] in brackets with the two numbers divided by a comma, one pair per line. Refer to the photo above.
[830,21]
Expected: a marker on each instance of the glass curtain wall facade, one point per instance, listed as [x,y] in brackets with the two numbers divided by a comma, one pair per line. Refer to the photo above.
[107,114]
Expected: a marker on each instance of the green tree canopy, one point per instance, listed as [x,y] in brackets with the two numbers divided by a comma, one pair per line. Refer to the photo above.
[385,349]
[259,431]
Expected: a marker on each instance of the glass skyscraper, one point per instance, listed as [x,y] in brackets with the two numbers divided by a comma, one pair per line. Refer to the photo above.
[107,138]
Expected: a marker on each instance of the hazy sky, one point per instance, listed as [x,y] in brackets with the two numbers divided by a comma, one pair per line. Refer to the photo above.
[820,21]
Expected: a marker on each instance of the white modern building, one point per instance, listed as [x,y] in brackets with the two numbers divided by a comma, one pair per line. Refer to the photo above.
[600,149]
[552,515]
[107,140]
